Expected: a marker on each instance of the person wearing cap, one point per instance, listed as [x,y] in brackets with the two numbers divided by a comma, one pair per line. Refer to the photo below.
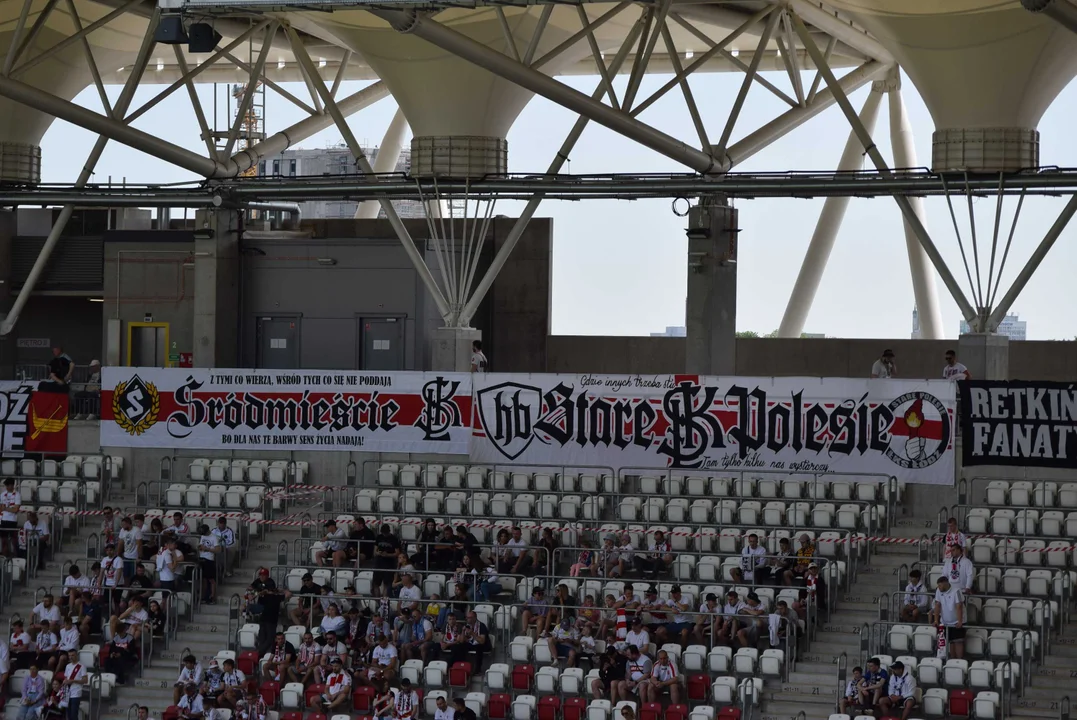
[271,601]
[334,546]
[753,612]
[337,689]
[10,502]
[680,625]
[536,611]
[212,682]
[564,642]
[405,701]
[707,621]
[655,608]
[884,368]
[191,705]
[637,634]
[900,692]
[815,585]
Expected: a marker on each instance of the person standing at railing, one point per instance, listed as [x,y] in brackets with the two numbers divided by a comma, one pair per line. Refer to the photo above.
[61,368]
[960,570]
[954,536]
[753,561]
[38,527]
[130,545]
[74,681]
[226,538]
[208,549]
[948,614]
[10,502]
[69,644]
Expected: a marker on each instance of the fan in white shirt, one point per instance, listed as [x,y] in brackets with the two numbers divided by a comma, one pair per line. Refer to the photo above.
[405,701]
[442,711]
[48,612]
[960,570]
[953,370]
[337,689]
[953,537]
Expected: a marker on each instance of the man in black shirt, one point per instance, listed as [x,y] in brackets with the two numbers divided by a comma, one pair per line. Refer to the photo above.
[301,613]
[361,549]
[281,658]
[271,600]
[463,712]
[466,542]
[613,671]
[385,557]
[60,369]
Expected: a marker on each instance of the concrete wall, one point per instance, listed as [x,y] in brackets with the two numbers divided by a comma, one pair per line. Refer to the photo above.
[73,322]
[811,357]
[150,273]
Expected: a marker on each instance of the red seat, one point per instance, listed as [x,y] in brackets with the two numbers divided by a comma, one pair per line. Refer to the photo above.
[574,709]
[363,699]
[315,716]
[699,687]
[172,713]
[460,675]
[270,692]
[102,656]
[498,706]
[650,711]
[247,662]
[729,713]
[295,715]
[311,692]
[961,702]
[523,677]
[549,707]
[677,712]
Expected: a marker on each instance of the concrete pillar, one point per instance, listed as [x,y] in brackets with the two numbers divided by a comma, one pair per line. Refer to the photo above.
[986,355]
[216,288]
[452,349]
[7,342]
[711,309]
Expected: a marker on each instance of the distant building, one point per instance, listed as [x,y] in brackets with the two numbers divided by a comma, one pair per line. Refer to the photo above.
[672,331]
[915,324]
[1011,326]
[335,160]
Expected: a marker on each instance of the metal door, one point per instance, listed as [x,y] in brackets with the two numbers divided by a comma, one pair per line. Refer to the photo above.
[278,343]
[148,345]
[382,345]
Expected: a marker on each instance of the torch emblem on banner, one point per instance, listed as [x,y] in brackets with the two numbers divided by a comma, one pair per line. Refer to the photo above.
[914,421]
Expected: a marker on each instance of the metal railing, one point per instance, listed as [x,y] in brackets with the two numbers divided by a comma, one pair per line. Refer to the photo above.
[171,619]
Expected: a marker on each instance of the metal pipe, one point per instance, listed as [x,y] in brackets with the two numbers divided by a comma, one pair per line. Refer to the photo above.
[1062,12]
[482,56]
[385,161]
[1031,266]
[120,111]
[107,200]
[877,159]
[841,29]
[517,231]
[790,120]
[826,230]
[923,280]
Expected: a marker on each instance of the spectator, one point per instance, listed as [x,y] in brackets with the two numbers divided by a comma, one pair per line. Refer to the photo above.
[254,708]
[953,537]
[166,562]
[536,611]
[38,527]
[69,644]
[208,549]
[655,609]
[419,639]
[92,618]
[707,622]
[479,363]
[60,369]
[884,368]
[308,659]
[47,644]
[521,559]
[917,600]
[111,576]
[953,370]
[960,570]
[948,614]
[461,710]
[281,659]
[753,561]
[377,627]
[805,553]
[385,659]
[385,557]
[626,552]
[385,700]
[337,690]
[753,611]
[20,646]
[585,561]
[333,546]
[610,557]
[638,636]
[331,648]
[47,614]
[681,625]
[781,624]
[226,539]
[544,553]
[850,702]
[122,654]
[55,706]
[783,563]
[442,711]
[488,586]
[158,620]
[610,675]
[74,585]
[134,618]
[191,705]
[232,682]
[504,556]
[901,692]
[405,702]
[564,642]
[74,681]
[663,677]
[637,671]
[213,683]
[10,502]
[270,600]
[302,613]
[874,684]
[562,606]
[130,546]
[334,622]
[110,526]
[659,558]
[444,549]
[362,539]
[190,672]
[815,585]
[33,695]
[588,615]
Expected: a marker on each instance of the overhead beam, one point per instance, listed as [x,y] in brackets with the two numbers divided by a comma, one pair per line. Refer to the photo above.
[452,41]
[1062,12]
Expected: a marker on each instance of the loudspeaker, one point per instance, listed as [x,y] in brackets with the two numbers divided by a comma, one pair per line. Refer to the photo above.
[170,30]
[203,38]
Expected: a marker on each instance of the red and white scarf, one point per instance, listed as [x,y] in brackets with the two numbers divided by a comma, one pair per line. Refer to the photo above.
[622,624]
[940,643]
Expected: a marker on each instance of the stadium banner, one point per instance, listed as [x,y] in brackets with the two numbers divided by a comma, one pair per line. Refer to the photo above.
[1032,424]
[902,428]
[286,410]
[32,421]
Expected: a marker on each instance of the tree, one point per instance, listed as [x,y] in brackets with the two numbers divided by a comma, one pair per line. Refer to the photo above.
[747,334]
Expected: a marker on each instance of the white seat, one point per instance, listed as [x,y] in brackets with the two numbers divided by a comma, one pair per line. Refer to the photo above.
[523,707]
[291,697]
[981,673]
[546,680]
[771,663]
[723,690]
[900,638]
[954,672]
[572,681]
[435,673]
[744,661]
[497,677]
[934,702]
[985,705]
[596,710]
[720,659]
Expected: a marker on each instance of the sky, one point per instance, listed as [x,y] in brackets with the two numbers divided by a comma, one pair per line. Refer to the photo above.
[620,268]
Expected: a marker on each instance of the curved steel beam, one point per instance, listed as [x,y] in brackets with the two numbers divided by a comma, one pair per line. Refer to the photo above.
[1062,12]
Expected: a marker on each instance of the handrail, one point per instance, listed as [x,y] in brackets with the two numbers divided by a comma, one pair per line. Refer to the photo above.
[1064,708]
[842,668]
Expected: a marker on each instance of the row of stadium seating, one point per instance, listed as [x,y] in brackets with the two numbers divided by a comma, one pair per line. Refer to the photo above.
[1026,493]
[1049,523]
[73,467]
[60,492]
[274,472]
[250,496]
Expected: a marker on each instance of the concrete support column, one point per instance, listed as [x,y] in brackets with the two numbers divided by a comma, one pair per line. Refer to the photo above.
[986,355]
[711,309]
[452,349]
[216,288]
[7,342]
